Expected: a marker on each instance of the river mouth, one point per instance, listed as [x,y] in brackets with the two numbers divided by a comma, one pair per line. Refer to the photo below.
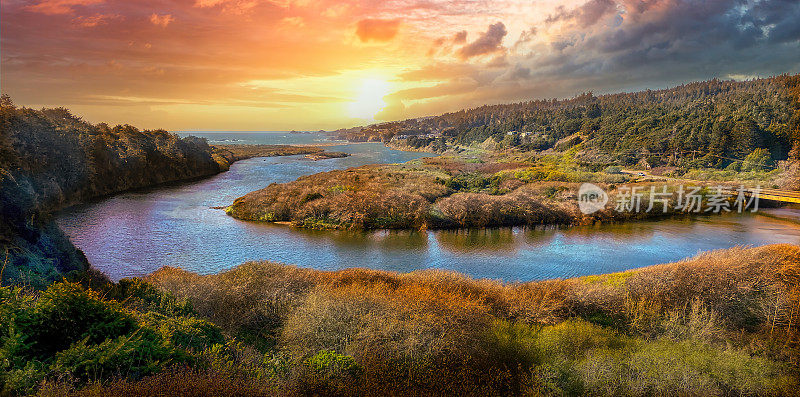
[136,233]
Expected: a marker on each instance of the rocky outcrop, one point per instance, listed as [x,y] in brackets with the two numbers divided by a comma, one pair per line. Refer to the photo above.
[50,159]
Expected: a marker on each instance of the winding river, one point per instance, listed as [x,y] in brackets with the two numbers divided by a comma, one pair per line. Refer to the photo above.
[135,233]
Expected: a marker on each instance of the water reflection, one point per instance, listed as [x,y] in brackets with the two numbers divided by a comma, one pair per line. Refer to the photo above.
[498,241]
[135,233]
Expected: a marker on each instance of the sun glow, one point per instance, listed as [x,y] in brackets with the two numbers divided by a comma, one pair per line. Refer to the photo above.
[369,100]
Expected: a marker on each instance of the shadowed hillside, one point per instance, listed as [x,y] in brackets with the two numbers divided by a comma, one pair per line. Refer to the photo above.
[50,159]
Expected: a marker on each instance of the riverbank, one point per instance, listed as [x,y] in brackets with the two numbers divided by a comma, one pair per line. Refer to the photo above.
[230,153]
[326,155]
[51,159]
[724,322]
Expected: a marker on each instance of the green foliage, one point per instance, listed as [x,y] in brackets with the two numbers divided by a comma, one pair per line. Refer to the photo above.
[473,182]
[144,297]
[66,313]
[530,175]
[70,332]
[758,160]
[141,353]
[186,332]
[719,118]
[328,373]
[330,363]
[578,358]
[688,367]
[730,174]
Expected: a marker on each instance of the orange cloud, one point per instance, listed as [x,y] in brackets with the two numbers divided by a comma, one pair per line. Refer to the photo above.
[380,30]
[294,21]
[161,20]
[94,20]
[67,53]
[55,7]
[229,6]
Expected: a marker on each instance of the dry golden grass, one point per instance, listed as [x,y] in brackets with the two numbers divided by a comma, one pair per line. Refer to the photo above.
[363,197]
[524,206]
[174,383]
[427,330]
[441,192]
[721,323]
[240,152]
[726,280]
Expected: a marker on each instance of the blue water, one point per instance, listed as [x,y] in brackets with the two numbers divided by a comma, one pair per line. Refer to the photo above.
[135,233]
[262,138]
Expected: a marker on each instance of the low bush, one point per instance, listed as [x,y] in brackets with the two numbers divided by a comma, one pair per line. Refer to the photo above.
[75,335]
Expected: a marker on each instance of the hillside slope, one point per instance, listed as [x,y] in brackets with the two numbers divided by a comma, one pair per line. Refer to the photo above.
[50,159]
[695,125]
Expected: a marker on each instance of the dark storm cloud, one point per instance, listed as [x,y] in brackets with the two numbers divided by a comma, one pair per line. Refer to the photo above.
[619,42]
[585,15]
[489,42]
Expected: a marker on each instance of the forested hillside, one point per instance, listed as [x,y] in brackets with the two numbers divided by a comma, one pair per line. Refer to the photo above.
[50,158]
[703,124]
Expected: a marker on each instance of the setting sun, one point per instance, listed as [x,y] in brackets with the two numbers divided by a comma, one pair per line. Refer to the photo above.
[406,197]
[369,100]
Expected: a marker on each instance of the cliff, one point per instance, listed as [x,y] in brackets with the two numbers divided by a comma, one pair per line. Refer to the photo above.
[50,159]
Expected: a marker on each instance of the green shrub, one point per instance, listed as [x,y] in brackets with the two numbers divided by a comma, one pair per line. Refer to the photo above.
[187,332]
[69,333]
[530,175]
[141,296]
[573,339]
[473,182]
[687,368]
[332,364]
[514,343]
[328,373]
[66,313]
[133,356]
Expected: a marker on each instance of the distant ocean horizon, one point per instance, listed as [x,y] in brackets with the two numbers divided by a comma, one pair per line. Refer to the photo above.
[259,137]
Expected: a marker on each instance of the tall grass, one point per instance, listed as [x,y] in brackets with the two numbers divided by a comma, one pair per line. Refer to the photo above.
[721,323]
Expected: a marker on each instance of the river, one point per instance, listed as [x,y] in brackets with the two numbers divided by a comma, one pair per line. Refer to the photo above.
[137,232]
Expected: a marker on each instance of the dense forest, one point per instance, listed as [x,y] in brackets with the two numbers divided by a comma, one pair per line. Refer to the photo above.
[50,158]
[703,124]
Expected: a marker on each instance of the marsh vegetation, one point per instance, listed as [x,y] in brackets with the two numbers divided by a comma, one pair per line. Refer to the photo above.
[722,323]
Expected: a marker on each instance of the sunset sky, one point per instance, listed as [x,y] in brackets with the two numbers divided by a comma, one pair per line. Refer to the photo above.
[302,64]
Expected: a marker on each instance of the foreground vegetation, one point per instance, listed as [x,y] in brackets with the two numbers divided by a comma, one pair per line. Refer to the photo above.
[723,323]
